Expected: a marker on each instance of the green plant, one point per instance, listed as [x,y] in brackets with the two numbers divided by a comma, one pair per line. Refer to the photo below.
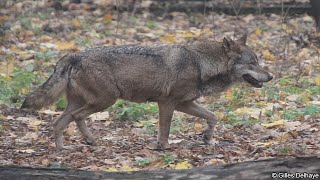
[271,92]
[291,114]
[152,24]
[129,110]
[62,103]
[150,127]
[168,158]
[84,42]
[11,88]
[46,56]
[177,125]
[293,90]
[311,110]
[142,161]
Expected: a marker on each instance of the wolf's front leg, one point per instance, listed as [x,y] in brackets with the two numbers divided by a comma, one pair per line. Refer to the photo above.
[194,109]
[165,116]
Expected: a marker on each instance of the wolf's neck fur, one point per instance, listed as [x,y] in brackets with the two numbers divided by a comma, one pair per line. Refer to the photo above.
[213,59]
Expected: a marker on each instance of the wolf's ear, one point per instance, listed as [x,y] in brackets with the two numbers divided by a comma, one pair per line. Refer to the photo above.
[242,40]
[230,45]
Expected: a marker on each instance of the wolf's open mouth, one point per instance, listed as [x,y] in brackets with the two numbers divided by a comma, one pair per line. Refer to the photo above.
[252,81]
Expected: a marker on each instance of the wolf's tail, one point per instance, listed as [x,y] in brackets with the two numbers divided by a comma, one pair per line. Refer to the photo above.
[51,90]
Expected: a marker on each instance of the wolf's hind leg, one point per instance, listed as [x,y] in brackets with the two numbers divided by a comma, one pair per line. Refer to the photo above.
[58,127]
[82,113]
[194,109]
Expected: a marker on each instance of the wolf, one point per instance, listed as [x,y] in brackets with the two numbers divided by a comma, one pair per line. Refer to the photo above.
[173,76]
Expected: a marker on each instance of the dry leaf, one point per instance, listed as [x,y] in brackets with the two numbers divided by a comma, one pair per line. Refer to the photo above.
[168,39]
[268,56]
[128,168]
[258,32]
[198,127]
[108,17]
[273,124]
[66,45]
[111,169]
[317,80]
[29,151]
[76,23]
[183,165]
[99,116]
[216,161]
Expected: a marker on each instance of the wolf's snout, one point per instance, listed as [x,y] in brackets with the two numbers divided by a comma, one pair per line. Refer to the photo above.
[270,76]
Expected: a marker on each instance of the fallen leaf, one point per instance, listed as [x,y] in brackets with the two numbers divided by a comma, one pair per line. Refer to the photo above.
[175,141]
[111,169]
[128,168]
[168,39]
[66,45]
[76,23]
[216,161]
[273,124]
[45,162]
[266,144]
[258,31]
[109,161]
[187,35]
[156,164]
[99,116]
[317,80]
[198,127]
[29,151]
[183,165]
[268,56]
[108,17]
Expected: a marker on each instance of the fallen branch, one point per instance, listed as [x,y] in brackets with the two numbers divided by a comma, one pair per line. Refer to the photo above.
[246,170]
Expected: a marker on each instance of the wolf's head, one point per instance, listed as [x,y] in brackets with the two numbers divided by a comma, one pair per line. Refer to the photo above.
[244,64]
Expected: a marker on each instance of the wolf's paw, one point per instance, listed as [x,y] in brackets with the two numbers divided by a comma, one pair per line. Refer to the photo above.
[209,140]
[159,146]
[63,148]
[91,142]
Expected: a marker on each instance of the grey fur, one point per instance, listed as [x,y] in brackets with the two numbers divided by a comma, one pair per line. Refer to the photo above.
[171,75]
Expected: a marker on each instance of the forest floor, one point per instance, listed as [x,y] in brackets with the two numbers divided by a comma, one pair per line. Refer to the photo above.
[279,120]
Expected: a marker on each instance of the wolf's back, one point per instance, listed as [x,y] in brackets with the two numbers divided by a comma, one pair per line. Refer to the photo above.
[50,91]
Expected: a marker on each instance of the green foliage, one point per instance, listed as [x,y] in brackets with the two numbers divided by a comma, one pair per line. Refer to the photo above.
[314,90]
[152,25]
[238,97]
[62,103]
[142,162]
[291,114]
[235,120]
[168,158]
[134,111]
[84,42]
[108,32]
[271,92]
[12,88]
[46,56]
[285,81]
[177,125]
[293,90]
[150,127]
[312,110]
